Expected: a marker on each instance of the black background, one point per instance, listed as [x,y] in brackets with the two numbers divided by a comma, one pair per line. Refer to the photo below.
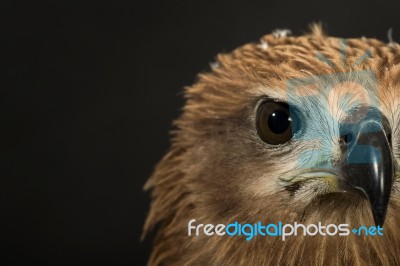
[91,91]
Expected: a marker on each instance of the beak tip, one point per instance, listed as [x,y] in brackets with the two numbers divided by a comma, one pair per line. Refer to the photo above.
[379,223]
[379,216]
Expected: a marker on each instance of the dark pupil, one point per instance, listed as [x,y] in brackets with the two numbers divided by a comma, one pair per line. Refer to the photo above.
[278,121]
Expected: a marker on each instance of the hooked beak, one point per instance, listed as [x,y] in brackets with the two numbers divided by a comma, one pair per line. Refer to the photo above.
[368,161]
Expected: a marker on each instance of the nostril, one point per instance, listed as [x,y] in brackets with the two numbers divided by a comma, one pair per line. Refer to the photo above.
[389,137]
[347,139]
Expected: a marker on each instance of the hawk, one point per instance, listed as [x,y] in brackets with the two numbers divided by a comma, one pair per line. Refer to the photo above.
[291,129]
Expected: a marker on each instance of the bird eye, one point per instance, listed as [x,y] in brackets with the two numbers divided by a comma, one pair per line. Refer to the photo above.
[275,125]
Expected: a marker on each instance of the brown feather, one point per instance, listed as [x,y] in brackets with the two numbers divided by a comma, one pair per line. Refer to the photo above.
[218,171]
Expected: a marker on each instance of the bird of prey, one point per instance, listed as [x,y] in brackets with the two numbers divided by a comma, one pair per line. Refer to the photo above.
[291,129]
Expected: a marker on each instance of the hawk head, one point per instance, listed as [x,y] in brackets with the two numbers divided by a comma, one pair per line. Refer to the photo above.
[291,129]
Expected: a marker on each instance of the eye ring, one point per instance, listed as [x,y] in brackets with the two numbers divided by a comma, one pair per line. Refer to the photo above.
[275,123]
